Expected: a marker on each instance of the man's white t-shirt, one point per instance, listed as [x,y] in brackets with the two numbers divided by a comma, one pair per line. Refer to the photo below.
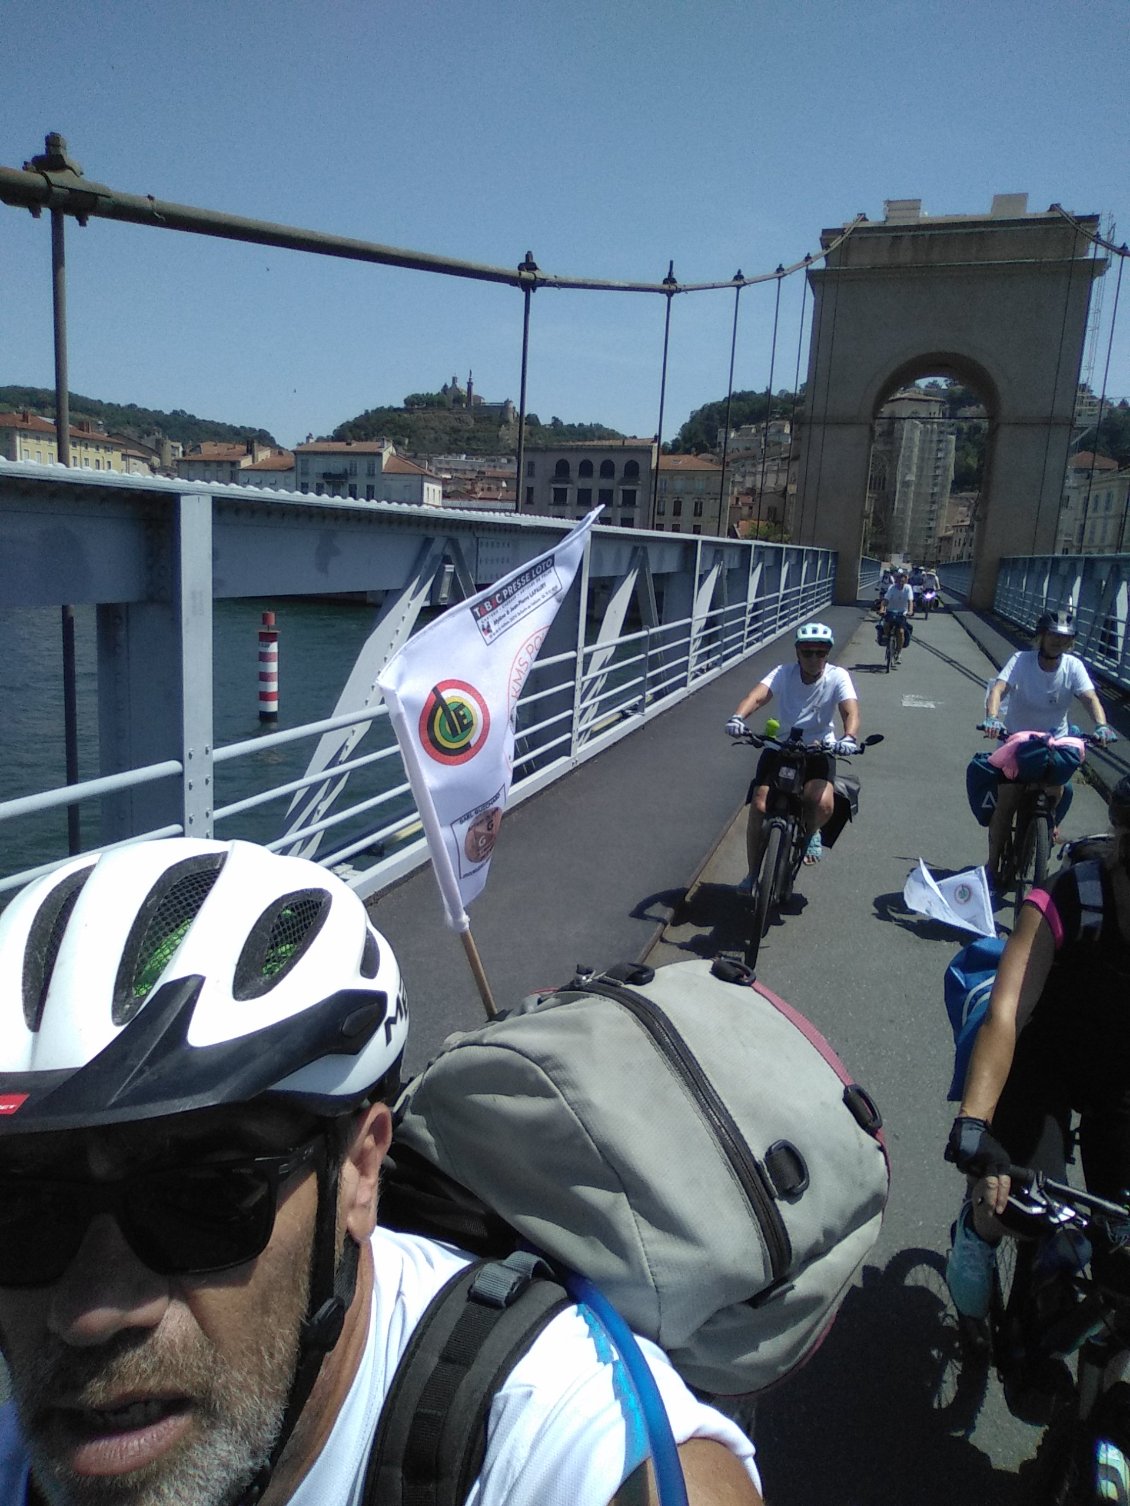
[812,708]
[563,1428]
[899,598]
[1039,699]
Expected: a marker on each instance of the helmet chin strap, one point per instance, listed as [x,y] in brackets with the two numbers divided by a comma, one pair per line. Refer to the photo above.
[332,1286]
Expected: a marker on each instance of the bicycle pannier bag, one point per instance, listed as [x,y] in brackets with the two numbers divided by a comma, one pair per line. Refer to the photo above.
[682,1137]
[845,808]
[981,787]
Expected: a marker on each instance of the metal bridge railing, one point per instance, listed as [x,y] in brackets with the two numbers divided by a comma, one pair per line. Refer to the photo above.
[650,620]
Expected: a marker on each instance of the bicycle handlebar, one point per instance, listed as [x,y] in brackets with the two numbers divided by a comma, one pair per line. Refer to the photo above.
[1078,1199]
[763,739]
[1002,734]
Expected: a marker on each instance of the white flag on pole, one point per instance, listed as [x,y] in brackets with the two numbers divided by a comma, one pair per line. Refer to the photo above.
[962,900]
[452,693]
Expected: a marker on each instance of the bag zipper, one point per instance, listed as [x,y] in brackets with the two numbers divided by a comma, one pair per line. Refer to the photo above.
[744,1163]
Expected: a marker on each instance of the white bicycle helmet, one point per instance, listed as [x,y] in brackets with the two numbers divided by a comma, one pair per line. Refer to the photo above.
[182,974]
[815,632]
[1060,623]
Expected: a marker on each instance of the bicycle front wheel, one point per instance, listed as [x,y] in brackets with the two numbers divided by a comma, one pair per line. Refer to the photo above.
[954,1371]
[1033,850]
[766,893]
[890,650]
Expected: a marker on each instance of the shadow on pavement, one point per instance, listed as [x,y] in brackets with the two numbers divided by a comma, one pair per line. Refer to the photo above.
[716,918]
[859,1425]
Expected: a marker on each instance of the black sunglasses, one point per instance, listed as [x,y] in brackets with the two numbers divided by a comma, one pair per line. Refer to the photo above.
[185,1220]
[814,653]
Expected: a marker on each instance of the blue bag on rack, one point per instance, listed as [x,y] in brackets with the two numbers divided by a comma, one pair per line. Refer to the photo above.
[968,983]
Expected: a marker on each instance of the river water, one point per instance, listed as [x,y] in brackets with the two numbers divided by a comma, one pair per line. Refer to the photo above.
[318,645]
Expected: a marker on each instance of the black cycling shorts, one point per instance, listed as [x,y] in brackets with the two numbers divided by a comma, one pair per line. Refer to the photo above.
[816,766]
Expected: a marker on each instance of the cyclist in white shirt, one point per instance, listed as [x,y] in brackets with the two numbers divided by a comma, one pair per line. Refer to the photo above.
[897,606]
[810,693]
[1040,684]
[199,1042]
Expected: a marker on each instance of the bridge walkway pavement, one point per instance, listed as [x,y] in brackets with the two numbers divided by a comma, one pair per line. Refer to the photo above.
[608,865]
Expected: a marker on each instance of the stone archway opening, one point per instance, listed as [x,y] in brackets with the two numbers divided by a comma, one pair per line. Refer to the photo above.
[998,302]
[931,433]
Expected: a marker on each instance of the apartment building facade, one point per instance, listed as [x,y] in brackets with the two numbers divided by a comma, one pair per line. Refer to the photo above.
[366,471]
[28,436]
[689,496]
[569,480]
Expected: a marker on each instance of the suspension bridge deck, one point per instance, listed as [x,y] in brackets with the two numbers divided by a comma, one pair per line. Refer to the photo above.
[609,865]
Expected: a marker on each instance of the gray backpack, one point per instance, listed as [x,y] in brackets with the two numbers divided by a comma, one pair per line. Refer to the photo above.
[681,1137]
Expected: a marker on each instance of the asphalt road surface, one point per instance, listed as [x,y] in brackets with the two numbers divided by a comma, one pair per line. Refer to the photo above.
[591,869]
[857,1425]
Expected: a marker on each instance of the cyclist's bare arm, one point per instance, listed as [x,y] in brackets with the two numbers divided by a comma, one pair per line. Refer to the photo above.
[994,697]
[714,1478]
[849,715]
[757,698]
[1094,706]
[1021,977]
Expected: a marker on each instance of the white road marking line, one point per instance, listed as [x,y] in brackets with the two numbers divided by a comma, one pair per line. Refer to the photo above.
[919,702]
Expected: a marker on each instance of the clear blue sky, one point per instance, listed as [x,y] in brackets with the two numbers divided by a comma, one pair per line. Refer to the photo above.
[608,138]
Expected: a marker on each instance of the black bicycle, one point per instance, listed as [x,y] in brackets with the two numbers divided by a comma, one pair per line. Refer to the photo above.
[1060,1291]
[1026,853]
[784,840]
[894,641]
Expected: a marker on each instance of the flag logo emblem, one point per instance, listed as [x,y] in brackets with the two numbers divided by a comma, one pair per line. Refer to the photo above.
[454,722]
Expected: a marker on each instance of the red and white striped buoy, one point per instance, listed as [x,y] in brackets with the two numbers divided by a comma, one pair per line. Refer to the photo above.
[268,669]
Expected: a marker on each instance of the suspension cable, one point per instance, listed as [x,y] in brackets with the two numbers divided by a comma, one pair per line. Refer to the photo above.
[1091,235]
[769,401]
[669,280]
[796,399]
[738,281]
[72,193]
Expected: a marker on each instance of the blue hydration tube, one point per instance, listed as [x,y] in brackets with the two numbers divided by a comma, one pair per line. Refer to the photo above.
[664,1452]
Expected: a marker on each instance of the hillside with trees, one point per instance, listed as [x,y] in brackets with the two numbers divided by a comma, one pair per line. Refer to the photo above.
[1113,435]
[427,426]
[129,419]
[699,435]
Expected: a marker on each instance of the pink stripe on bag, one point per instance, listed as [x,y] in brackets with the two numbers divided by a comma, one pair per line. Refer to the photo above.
[813,1036]
[1043,902]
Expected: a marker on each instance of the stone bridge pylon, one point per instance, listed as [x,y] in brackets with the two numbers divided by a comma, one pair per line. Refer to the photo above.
[997,301]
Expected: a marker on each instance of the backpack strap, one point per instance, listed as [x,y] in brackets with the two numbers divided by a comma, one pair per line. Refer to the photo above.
[1089,884]
[431,1435]
[1089,892]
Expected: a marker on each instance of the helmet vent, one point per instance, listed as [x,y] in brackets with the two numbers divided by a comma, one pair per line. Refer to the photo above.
[45,937]
[370,956]
[162,923]
[277,940]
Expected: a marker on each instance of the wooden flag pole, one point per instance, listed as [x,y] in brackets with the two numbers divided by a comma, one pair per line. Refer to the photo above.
[480,976]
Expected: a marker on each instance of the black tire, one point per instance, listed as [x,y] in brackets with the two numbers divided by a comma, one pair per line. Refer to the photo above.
[769,878]
[1033,854]
[765,891]
[954,1369]
[890,649]
[791,858]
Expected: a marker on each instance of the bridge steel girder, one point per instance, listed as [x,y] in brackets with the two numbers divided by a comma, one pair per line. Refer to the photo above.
[998,301]
[152,555]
